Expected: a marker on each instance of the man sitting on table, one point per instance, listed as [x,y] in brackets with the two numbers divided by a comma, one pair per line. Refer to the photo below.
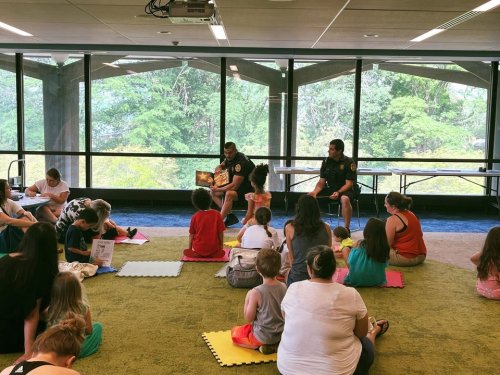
[337,178]
[239,167]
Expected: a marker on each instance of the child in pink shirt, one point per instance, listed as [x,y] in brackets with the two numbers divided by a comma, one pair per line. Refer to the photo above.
[206,231]
[488,266]
[260,197]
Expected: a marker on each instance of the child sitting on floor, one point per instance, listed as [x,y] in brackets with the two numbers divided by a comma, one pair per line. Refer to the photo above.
[488,266]
[67,299]
[260,197]
[206,230]
[75,248]
[263,308]
[368,259]
[341,235]
[260,235]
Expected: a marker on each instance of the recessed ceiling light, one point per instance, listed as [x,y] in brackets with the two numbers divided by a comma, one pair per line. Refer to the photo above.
[164,32]
[370,35]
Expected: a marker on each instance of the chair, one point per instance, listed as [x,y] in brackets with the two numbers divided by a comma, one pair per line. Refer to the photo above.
[334,207]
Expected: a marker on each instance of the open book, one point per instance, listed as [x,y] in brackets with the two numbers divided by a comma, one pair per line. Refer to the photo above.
[207,179]
[103,249]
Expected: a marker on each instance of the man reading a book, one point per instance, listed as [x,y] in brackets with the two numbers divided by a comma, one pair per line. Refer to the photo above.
[239,167]
[337,178]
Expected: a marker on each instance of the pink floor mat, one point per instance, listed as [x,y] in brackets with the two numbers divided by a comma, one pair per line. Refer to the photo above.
[225,258]
[394,278]
[138,236]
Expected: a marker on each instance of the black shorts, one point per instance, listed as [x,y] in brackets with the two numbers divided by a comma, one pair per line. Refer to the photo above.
[329,191]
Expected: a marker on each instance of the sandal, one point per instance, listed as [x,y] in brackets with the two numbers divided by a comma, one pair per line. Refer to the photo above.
[384,326]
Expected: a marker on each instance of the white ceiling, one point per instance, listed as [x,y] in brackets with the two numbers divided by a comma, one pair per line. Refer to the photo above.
[296,24]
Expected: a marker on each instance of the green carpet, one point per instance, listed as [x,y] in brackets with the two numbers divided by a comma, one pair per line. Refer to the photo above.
[438,325]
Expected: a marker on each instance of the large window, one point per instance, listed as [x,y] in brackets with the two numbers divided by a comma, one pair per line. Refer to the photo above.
[433,111]
[154,106]
[8,105]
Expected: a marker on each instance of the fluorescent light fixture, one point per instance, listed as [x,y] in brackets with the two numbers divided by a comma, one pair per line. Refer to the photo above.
[111,65]
[427,35]
[234,68]
[487,6]
[14,30]
[218,31]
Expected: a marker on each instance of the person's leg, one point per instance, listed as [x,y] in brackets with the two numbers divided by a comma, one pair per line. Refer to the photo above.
[228,203]
[345,202]
[217,198]
[92,341]
[243,336]
[367,355]
[45,213]
[397,259]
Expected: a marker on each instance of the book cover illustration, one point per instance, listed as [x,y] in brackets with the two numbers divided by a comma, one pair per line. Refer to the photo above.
[103,249]
[207,179]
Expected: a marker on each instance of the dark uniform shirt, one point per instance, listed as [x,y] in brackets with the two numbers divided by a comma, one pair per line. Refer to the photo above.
[241,165]
[336,173]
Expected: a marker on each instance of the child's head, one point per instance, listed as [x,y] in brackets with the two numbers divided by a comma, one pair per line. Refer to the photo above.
[263,217]
[258,176]
[375,240]
[490,255]
[340,234]
[268,262]
[87,219]
[63,339]
[103,210]
[321,262]
[66,296]
[201,199]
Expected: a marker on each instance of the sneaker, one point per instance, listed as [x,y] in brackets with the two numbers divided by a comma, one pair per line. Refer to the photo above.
[131,233]
[231,219]
[268,349]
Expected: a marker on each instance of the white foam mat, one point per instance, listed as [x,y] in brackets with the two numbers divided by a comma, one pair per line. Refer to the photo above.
[151,269]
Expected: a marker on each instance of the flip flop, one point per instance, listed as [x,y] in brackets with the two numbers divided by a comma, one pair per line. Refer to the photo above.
[383,326]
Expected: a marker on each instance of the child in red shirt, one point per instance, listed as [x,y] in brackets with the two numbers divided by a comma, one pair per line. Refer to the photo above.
[206,231]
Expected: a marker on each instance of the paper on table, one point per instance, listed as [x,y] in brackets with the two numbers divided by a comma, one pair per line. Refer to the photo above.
[133,241]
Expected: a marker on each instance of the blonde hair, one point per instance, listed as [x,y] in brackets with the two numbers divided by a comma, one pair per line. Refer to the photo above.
[103,210]
[66,298]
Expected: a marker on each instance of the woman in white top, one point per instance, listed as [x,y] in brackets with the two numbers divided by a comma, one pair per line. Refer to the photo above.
[259,235]
[51,187]
[326,324]
[14,220]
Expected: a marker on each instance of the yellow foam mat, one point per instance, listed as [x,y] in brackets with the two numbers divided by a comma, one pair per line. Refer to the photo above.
[228,354]
[231,243]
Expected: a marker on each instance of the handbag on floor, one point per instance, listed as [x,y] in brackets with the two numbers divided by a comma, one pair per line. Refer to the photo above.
[241,270]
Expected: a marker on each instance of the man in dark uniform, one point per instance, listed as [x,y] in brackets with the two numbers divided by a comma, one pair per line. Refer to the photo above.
[239,167]
[337,178]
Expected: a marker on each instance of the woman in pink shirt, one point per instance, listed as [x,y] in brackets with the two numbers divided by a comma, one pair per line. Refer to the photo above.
[488,266]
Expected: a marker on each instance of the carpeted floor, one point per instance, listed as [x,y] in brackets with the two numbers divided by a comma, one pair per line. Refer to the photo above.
[146,216]
[153,325]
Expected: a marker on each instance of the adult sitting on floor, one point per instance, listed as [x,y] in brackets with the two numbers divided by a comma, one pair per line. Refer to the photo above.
[327,328]
[51,187]
[26,279]
[14,220]
[106,228]
[404,232]
[239,167]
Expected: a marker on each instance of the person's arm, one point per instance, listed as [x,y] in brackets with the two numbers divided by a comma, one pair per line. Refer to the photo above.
[31,191]
[88,322]
[57,198]
[30,326]
[289,232]
[191,237]
[345,254]
[220,166]
[79,251]
[361,327]
[390,230]
[26,214]
[329,234]
[475,258]
[250,211]
[320,185]
[221,240]
[239,237]
[343,189]
[21,223]
[251,303]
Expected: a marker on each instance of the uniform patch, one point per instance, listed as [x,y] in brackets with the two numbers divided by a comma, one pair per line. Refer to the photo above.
[341,167]
[353,167]
[237,168]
